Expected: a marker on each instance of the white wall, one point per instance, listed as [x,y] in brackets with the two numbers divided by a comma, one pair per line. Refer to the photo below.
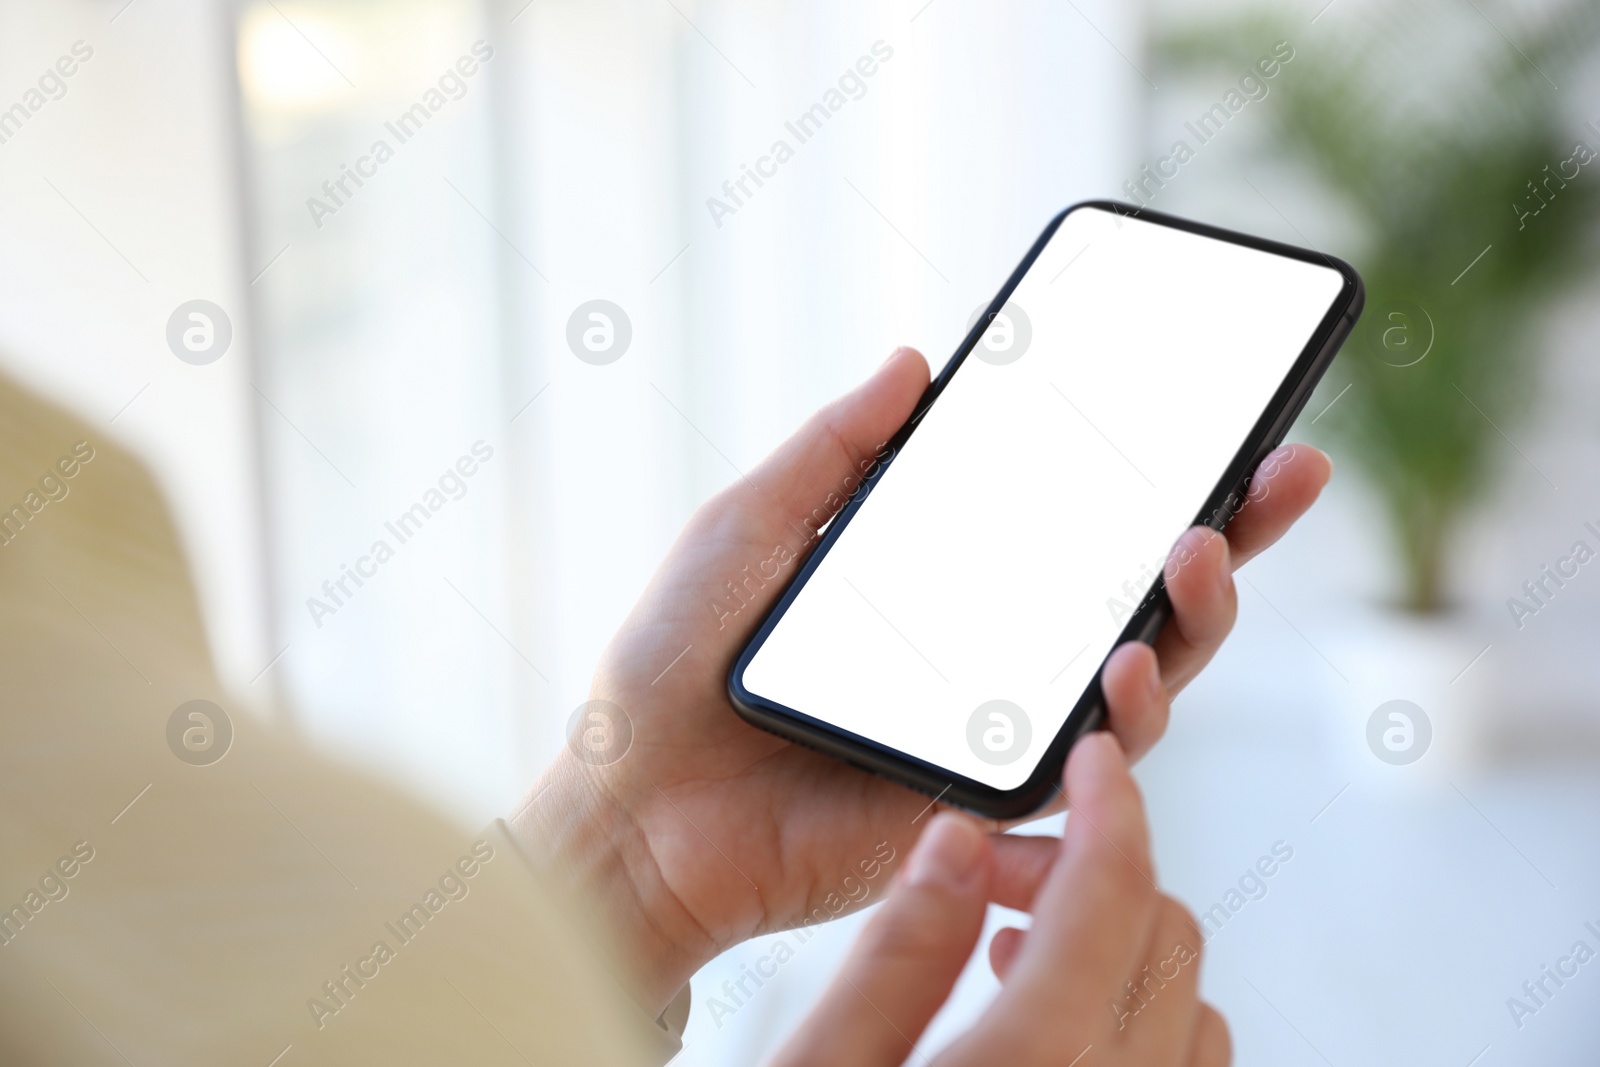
[118,202]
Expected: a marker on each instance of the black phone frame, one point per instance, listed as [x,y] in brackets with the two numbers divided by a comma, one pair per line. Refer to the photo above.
[1089,711]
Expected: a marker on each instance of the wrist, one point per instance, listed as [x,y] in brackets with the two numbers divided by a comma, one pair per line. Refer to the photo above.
[577,826]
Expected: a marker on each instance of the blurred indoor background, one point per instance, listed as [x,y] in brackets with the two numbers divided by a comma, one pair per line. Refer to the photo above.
[383,327]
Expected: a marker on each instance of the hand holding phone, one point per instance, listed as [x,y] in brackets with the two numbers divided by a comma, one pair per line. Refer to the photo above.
[707,831]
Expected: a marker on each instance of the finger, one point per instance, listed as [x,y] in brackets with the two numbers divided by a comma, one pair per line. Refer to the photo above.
[1283,487]
[1139,710]
[1199,579]
[1022,862]
[1095,912]
[1158,1009]
[1199,570]
[1003,949]
[1137,704]
[807,479]
[902,968]
[1213,1047]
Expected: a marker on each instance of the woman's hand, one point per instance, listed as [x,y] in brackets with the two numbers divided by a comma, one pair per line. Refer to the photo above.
[1108,976]
[709,831]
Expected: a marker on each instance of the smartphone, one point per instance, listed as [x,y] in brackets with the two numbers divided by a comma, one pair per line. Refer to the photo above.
[949,629]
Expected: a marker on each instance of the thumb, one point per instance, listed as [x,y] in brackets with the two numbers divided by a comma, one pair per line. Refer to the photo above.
[808,478]
[907,959]
[740,549]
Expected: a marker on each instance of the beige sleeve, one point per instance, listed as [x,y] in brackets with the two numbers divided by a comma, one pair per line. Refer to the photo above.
[272,907]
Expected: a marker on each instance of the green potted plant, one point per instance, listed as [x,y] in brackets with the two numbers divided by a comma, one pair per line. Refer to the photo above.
[1467,199]
[1473,198]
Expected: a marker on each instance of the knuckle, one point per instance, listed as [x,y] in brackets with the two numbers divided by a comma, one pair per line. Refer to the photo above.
[824,425]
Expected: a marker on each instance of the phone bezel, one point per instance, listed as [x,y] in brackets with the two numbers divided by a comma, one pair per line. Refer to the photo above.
[1146,622]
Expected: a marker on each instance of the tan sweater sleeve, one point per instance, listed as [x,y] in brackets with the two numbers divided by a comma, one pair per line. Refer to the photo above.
[268,907]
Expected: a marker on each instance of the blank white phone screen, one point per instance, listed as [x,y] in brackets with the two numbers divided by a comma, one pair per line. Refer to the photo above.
[965,608]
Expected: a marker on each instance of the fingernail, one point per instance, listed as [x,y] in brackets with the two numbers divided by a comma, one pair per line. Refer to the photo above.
[947,855]
[1153,679]
[892,356]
